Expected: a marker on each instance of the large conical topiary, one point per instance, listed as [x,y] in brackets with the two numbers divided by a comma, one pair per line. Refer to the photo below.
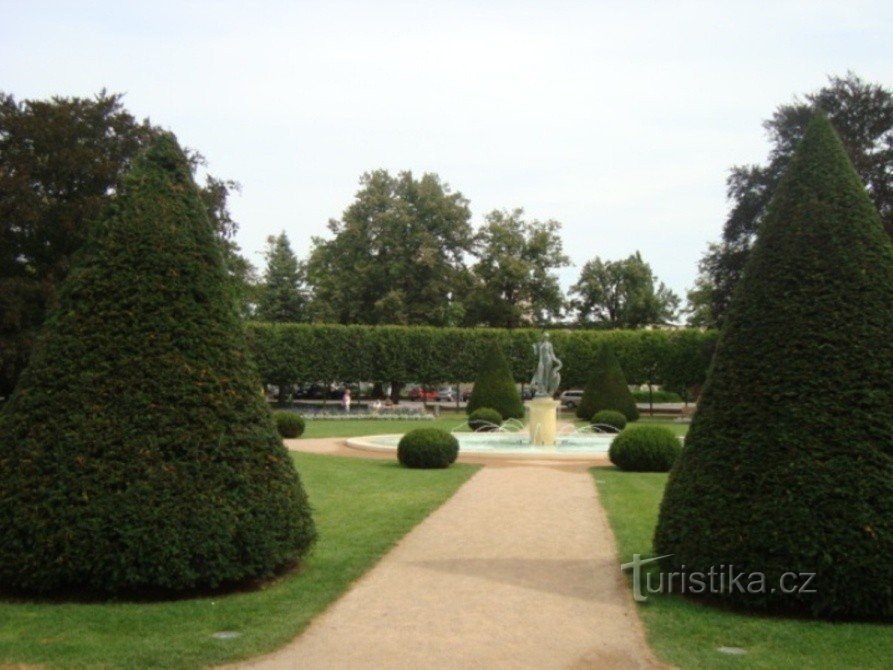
[788,466]
[137,453]
[607,388]
[495,387]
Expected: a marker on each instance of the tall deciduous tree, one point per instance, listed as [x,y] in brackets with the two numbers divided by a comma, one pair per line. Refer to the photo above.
[61,161]
[396,255]
[622,294]
[862,113]
[282,296]
[514,283]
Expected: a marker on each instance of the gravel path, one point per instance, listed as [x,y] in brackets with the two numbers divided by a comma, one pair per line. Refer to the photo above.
[517,570]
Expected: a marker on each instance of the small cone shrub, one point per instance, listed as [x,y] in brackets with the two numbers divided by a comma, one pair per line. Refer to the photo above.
[495,387]
[607,388]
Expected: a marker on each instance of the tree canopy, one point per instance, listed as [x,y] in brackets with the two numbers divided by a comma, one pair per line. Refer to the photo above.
[862,113]
[396,255]
[282,295]
[622,294]
[513,281]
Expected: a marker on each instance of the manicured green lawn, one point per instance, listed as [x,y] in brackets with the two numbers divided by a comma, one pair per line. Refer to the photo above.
[353,428]
[362,508]
[686,633]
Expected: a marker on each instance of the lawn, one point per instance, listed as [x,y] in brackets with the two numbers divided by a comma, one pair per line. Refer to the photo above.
[355,427]
[687,634]
[362,508]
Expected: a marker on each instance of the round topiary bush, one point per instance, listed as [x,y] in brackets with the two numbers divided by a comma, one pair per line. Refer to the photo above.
[607,388]
[495,387]
[427,448]
[289,424]
[136,453]
[609,417]
[645,449]
[484,419]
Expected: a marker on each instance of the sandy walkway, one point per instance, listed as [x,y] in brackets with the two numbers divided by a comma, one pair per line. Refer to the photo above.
[517,570]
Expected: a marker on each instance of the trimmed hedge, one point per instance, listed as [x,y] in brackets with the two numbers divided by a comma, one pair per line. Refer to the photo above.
[789,463]
[137,453]
[290,353]
[609,417]
[645,449]
[484,419]
[427,448]
[289,424]
[607,388]
[494,387]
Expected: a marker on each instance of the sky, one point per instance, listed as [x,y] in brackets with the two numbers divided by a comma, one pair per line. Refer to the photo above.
[618,119]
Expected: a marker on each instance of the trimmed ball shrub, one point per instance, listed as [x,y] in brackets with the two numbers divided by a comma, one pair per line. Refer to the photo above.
[136,452]
[484,419]
[607,388]
[289,424]
[789,460]
[495,388]
[427,448]
[645,449]
[609,417]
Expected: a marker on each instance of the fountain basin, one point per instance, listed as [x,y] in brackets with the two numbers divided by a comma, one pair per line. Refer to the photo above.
[512,445]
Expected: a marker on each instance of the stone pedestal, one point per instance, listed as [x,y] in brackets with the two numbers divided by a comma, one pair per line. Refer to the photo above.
[543,424]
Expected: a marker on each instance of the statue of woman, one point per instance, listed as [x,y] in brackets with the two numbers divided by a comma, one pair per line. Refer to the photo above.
[546,379]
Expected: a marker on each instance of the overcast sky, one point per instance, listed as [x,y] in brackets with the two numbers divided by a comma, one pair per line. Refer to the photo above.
[618,119]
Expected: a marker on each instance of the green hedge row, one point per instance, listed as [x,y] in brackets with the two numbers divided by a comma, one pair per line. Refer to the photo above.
[292,353]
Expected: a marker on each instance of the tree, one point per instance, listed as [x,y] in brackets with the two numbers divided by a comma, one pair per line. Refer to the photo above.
[396,255]
[61,161]
[514,283]
[862,114]
[622,294]
[137,451]
[607,388]
[282,295]
[494,386]
[788,465]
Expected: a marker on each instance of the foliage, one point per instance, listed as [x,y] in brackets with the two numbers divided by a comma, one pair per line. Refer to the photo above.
[61,161]
[310,353]
[789,465]
[514,281]
[685,634]
[281,297]
[137,451]
[609,417]
[427,448]
[863,115]
[645,449]
[396,255]
[607,388]
[363,507]
[494,386]
[484,419]
[622,294]
[289,424]
[656,396]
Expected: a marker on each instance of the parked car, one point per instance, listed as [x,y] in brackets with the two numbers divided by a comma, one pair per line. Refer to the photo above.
[419,394]
[571,398]
[466,394]
[445,395]
[529,393]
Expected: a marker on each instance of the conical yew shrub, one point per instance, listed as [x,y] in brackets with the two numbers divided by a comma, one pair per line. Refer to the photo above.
[607,388]
[495,386]
[788,466]
[137,452]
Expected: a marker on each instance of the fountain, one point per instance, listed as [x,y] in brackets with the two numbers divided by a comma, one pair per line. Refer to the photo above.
[540,438]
